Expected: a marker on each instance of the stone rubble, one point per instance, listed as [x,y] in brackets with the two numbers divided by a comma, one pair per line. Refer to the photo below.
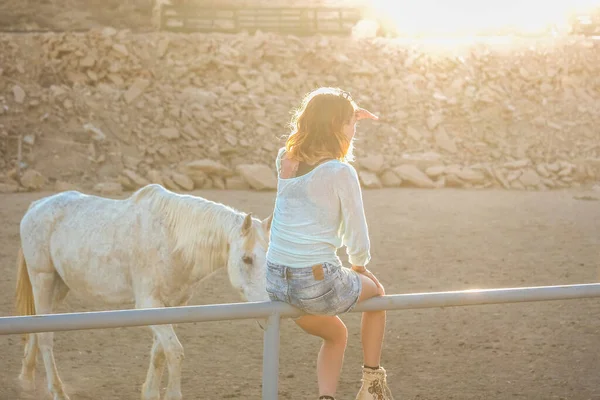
[110,110]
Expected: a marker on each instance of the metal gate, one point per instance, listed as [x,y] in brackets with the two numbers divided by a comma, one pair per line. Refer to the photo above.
[299,21]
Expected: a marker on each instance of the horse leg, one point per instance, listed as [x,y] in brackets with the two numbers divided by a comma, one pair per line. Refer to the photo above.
[151,387]
[27,375]
[60,292]
[167,343]
[173,351]
[44,292]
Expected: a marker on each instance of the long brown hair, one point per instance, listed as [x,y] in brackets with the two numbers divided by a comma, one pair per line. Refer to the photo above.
[317,127]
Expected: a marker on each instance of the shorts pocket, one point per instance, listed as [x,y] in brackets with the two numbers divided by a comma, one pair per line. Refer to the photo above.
[322,304]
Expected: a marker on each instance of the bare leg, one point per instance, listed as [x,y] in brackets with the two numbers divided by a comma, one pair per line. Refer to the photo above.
[43,284]
[372,326]
[151,388]
[331,356]
[374,383]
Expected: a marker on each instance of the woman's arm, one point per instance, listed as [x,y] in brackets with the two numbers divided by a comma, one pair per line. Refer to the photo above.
[355,230]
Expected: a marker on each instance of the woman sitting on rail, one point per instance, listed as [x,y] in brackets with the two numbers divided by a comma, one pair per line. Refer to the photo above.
[318,209]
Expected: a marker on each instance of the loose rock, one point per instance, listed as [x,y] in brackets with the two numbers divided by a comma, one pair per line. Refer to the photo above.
[108,188]
[369,180]
[390,179]
[414,175]
[183,181]
[373,163]
[209,167]
[258,176]
[32,179]
[19,94]
[236,183]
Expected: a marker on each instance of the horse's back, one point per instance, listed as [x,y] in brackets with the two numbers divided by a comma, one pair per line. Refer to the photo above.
[93,242]
[55,199]
[83,212]
[45,210]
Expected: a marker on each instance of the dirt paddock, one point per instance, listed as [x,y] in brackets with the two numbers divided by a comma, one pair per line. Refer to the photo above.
[421,241]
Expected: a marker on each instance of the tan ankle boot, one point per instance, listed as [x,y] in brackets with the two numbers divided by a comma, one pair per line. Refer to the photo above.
[374,385]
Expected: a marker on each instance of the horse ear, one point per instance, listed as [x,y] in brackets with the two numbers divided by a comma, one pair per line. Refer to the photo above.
[266,223]
[247,225]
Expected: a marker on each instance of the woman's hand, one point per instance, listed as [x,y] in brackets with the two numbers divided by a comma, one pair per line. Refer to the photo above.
[369,274]
[362,113]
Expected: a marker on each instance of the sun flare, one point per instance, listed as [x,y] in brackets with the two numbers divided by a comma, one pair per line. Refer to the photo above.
[470,17]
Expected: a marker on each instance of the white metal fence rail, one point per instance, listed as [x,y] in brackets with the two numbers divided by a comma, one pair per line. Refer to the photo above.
[274,311]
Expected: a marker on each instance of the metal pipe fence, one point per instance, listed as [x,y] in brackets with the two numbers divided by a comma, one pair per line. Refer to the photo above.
[274,311]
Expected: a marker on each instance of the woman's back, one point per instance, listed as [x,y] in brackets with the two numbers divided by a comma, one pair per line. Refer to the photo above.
[309,223]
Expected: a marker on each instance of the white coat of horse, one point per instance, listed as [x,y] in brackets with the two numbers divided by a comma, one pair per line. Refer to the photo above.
[152,249]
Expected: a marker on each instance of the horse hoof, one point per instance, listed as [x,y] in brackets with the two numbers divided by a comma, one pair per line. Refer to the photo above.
[173,395]
[27,381]
[59,394]
[151,396]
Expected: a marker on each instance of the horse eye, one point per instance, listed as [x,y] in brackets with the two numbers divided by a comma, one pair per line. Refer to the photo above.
[247,260]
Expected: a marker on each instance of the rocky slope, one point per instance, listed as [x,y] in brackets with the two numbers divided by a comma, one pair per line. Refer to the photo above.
[113,109]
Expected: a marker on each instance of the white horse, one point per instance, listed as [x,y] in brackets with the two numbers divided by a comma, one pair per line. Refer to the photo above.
[152,248]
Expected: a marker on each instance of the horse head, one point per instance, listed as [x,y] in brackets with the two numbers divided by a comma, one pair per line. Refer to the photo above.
[247,262]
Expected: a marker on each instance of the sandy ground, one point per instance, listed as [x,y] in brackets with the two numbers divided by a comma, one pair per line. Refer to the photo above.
[421,241]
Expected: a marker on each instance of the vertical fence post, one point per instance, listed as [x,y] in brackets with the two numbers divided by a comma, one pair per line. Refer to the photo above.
[270,378]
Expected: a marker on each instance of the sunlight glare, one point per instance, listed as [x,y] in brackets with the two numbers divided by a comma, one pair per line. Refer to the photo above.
[470,17]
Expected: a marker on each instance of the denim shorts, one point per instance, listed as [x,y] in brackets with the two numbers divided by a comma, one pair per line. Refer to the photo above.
[331,290]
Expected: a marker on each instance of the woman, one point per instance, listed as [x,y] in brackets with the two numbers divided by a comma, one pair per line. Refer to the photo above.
[318,209]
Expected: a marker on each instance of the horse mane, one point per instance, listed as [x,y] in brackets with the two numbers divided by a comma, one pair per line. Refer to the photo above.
[199,229]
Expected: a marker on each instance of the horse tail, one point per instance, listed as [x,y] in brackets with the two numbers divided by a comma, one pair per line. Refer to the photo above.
[24,293]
